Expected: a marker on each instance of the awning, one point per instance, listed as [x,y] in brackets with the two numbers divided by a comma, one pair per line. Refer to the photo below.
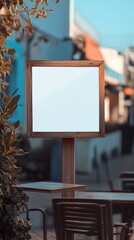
[92,49]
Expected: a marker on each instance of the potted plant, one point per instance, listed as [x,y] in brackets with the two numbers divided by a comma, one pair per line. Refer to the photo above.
[13,200]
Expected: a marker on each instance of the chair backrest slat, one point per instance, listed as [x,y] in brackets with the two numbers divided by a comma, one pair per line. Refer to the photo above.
[77,216]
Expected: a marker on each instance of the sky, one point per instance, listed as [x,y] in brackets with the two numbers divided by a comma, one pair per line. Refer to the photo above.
[113,20]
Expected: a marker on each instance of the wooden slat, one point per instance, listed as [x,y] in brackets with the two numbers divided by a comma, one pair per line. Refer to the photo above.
[74,218]
[127,174]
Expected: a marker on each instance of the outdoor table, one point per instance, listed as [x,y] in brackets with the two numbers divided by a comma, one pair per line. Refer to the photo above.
[50,187]
[124,200]
[112,197]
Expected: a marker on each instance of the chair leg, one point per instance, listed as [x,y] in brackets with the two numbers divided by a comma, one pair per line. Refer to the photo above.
[44,215]
[122,231]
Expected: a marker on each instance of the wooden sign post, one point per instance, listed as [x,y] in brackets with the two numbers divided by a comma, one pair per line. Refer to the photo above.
[68,163]
[65,99]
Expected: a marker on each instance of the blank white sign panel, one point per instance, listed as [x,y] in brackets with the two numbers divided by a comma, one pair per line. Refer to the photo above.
[65,99]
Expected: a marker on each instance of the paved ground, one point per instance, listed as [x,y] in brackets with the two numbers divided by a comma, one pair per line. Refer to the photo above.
[115,167]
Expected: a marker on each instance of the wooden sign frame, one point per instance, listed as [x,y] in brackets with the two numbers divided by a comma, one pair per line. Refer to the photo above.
[37,65]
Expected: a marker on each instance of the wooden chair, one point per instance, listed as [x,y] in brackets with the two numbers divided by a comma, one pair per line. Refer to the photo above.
[126,210]
[79,217]
[82,216]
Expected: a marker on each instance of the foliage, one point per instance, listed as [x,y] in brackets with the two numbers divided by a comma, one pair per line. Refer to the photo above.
[14,15]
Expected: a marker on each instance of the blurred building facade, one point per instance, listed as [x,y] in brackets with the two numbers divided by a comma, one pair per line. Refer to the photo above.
[50,40]
[119,114]
[63,37]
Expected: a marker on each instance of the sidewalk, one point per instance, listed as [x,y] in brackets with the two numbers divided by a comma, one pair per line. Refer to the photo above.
[41,200]
[115,167]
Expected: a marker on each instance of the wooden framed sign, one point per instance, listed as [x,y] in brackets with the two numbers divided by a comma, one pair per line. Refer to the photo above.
[65,99]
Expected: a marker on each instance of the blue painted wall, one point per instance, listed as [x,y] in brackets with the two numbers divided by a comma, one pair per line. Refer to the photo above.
[17,80]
